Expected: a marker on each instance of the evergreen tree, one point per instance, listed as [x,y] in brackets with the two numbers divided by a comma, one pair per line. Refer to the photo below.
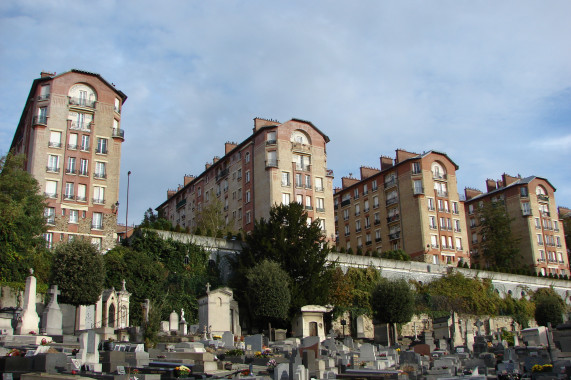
[499,246]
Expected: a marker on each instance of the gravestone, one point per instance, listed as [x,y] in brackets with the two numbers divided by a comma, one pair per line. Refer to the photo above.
[254,342]
[280,334]
[173,321]
[281,372]
[360,322]
[228,339]
[52,318]
[29,320]
[421,349]
[88,353]
[308,360]
[409,357]
[367,353]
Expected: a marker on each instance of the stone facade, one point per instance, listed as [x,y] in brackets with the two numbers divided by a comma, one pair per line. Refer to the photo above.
[71,136]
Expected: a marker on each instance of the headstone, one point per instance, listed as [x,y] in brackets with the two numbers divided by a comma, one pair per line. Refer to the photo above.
[228,339]
[421,349]
[360,322]
[52,318]
[254,342]
[479,325]
[308,360]
[165,326]
[29,320]
[173,321]
[348,341]
[280,334]
[300,373]
[182,328]
[367,353]
[281,372]
[146,309]
[88,353]
[409,357]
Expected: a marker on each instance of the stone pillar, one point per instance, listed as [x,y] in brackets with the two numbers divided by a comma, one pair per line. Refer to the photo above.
[29,321]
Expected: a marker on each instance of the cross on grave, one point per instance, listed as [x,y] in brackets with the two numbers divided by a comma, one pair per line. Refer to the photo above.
[53,292]
[207,287]
[479,324]
[415,335]
[123,285]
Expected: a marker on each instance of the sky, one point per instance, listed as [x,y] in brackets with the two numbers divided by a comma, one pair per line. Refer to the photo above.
[487,82]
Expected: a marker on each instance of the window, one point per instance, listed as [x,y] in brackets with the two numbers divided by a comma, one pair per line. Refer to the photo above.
[525,208]
[247,157]
[239,174]
[346,214]
[51,189]
[248,217]
[358,225]
[366,206]
[83,167]
[438,171]
[356,194]
[307,181]
[430,203]
[81,190]
[347,231]
[377,218]
[49,239]
[100,170]
[50,215]
[44,92]
[97,221]
[302,162]
[285,198]
[73,216]
[539,239]
[70,168]
[441,189]
[377,235]
[55,139]
[432,222]
[98,194]
[470,209]
[455,209]
[247,176]
[272,159]
[53,163]
[365,189]
[443,241]
[96,241]
[357,210]
[248,196]
[101,146]
[318,184]
[285,179]
[458,244]
[308,202]
[320,204]
[375,202]
[72,144]
[374,185]
[117,105]
[474,238]
[42,115]
[298,182]
[69,187]
[84,142]
[434,241]
[418,187]
[416,168]
[367,222]
[457,225]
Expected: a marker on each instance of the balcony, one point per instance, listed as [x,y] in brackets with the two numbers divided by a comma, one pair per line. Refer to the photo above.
[99,175]
[43,97]
[181,203]
[434,245]
[84,173]
[81,102]
[221,174]
[271,142]
[81,198]
[319,209]
[346,202]
[394,235]
[392,201]
[393,218]
[284,184]
[432,227]
[101,150]
[377,222]
[357,213]
[455,212]
[439,177]
[329,172]
[375,188]
[96,226]
[542,198]
[368,242]
[459,248]
[378,240]
[442,193]
[119,133]
[299,147]
[308,186]
[69,197]
[358,229]
[51,195]
[303,168]
[40,120]
[117,109]
[53,144]
[366,209]
[70,171]
[431,208]
[418,191]
[457,230]
[390,183]
[98,201]
[72,146]
[80,126]
[319,188]
[51,220]
[309,208]
[52,169]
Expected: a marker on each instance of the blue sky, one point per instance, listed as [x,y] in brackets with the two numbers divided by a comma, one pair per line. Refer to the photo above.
[487,82]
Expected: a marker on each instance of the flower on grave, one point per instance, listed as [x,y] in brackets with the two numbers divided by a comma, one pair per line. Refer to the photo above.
[14,352]
[135,371]
[542,368]
[271,364]
[362,364]
[32,333]
[181,371]
[245,372]
[44,341]
[398,349]
[217,337]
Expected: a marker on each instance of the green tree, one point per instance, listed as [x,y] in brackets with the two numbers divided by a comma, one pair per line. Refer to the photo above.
[211,219]
[300,249]
[549,307]
[499,246]
[155,221]
[393,301]
[79,272]
[22,223]
[268,292]
[397,254]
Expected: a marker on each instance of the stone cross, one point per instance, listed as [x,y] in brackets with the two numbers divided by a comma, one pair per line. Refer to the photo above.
[415,335]
[53,292]
[123,282]
[207,287]
[479,324]
[182,314]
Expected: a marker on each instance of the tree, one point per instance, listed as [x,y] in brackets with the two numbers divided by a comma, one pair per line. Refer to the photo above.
[154,221]
[397,254]
[393,302]
[498,246]
[211,218]
[268,292]
[22,223]
[300,248]
[79,272]
[549,307]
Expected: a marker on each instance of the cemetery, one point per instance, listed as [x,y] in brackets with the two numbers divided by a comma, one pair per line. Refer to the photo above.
[38,340]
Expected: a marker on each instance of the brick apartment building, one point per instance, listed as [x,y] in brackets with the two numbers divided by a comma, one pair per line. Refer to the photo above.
[278,164]
[530,203]
[411,203]
[70,135]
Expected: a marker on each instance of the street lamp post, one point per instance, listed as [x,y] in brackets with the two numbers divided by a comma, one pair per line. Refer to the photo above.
[127,208]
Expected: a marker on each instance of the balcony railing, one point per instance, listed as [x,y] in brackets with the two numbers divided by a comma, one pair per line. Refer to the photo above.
[390,183]
[303,168]
[117,132]
[51,220]
[42,120]
[432,227]
[299,147]
[392,201]
[52,169]
[82,102]
[368,242]
[394,235]
[70,171]
[378,240]
[358,229]
[50,195]
[69,197]
[393,218]
[346,202]
[84,173]
[431,208]
[319,209]
[97,226]
[221,174]
[457,230]
[77,126]
[319,188]
[442,193]
[439,176]
[53,144]
[377,222]
[101,150]
[99,175]
[98,201]
[434,245]
[418,191]
[117,109]
[271,142]
[72,146]
[43,97]
[543,197]
[81,198]
[309,208]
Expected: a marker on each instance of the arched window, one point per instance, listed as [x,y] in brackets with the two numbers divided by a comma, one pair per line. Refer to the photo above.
[438,170]
[300,137]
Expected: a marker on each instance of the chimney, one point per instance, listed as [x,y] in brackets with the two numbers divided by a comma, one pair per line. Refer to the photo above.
[170,193]
[403,155]
[386,162]
[367,172]
[508,179]
[229,146]
[260,123]
[491,185]
[215,159]
[348,181]
[207,166]
[471,193]
[188,179]
[44,74]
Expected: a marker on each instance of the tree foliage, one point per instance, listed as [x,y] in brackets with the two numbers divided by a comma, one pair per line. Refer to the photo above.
[549,307]
[22,223]
[393,301]
[397,254]
[268,292]
[211,219]
[298,247]
[79,272]
[499,246]
[155,221]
